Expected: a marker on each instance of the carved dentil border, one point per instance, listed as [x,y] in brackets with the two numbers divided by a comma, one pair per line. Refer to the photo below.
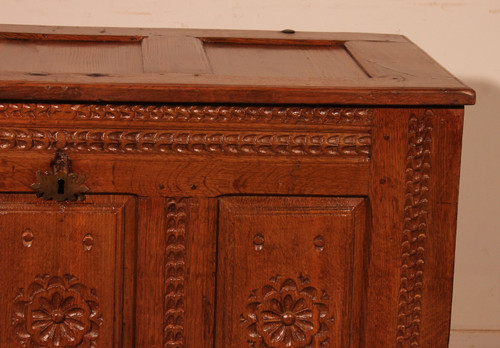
[175,267]
[416,210]
[343,144]
[191,113]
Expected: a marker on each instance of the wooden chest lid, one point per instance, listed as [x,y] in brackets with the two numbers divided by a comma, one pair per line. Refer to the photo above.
[216,66]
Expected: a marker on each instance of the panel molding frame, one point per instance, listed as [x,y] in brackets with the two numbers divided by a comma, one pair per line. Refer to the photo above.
[352,208]
[49,279]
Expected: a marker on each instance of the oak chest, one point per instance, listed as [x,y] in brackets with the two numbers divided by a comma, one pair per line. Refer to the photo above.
[203,188]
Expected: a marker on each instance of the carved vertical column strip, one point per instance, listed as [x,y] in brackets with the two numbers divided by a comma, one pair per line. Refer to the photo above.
[174,274]
[416,209]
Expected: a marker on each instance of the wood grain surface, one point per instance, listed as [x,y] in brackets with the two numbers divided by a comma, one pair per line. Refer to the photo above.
[286,271]
[245,189]
[192,66]
[69,272]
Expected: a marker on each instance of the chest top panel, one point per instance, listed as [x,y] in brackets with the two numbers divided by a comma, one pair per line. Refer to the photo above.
[206,66]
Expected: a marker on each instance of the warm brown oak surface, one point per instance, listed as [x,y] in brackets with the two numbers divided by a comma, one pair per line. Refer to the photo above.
[169,65]
[66,268]
[289,271]
[245,189]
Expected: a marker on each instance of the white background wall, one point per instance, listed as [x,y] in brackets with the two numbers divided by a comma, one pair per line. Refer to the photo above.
[463,35]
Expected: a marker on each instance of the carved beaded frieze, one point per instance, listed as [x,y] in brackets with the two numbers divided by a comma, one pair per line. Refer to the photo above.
[57,312]
[352,145]
[191,113]
[416,210]
[354,142]
[287,312]
[175,264]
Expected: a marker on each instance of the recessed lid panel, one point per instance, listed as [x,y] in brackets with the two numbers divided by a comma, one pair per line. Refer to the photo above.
[45,57]
[285,60]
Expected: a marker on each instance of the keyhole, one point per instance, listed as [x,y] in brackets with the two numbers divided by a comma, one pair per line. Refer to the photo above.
[60,186]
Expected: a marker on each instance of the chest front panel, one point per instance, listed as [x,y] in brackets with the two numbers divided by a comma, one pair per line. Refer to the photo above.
[68,271]
[229,226]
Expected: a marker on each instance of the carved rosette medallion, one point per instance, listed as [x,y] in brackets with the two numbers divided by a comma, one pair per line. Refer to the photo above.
[286,314]
[56,312]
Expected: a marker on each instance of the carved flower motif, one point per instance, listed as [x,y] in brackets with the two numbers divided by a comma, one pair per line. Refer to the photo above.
[286,320]
[56,312]
[287,315]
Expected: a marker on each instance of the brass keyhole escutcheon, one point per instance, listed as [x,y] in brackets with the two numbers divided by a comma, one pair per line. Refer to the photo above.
[60,185]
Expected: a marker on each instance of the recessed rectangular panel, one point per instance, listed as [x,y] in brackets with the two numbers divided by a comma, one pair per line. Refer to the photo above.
[38,57]
[289,271]
[282,61]
[67,272]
